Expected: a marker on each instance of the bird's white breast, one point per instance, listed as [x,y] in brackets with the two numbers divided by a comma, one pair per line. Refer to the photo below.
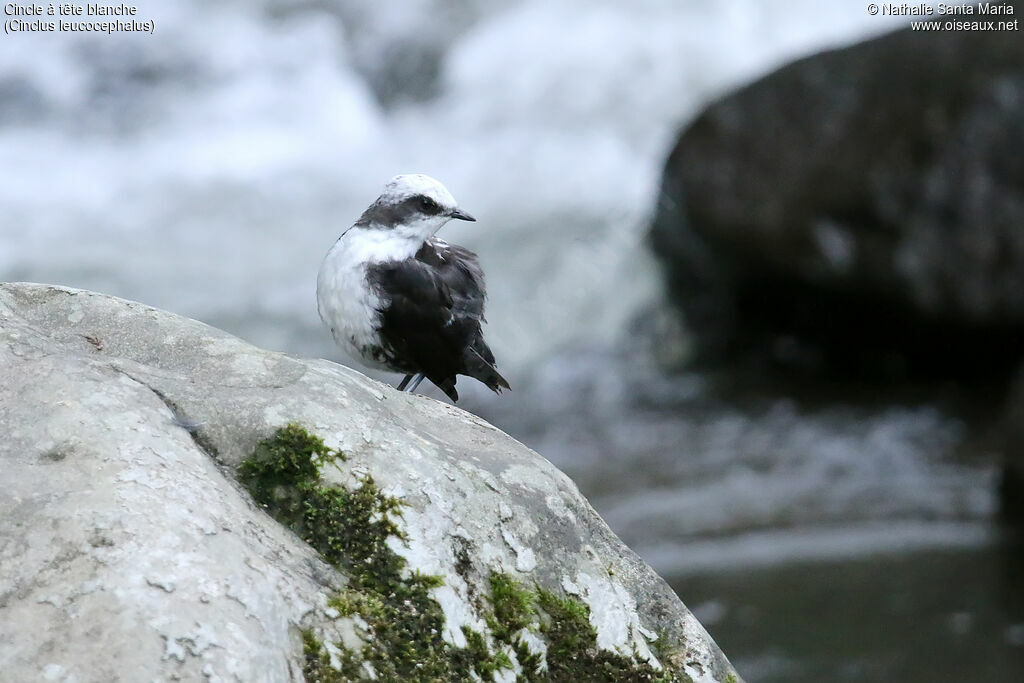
[348,304]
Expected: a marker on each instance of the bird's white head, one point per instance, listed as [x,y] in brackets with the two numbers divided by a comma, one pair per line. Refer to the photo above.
[413,206]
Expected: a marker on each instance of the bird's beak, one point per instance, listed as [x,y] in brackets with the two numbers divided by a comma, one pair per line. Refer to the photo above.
[462,215]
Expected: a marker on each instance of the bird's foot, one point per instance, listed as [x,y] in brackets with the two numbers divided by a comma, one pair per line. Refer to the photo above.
[415,379]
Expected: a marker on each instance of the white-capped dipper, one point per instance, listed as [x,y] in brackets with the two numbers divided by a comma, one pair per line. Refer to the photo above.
[397,298]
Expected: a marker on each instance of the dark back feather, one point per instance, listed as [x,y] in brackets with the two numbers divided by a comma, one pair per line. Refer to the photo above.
[460,270]
[430,322]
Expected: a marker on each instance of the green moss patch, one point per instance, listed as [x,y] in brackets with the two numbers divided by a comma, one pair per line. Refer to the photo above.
[317,663]
[404,624]
[573,653]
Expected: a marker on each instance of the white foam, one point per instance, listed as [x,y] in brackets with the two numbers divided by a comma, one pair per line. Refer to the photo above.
[207,168]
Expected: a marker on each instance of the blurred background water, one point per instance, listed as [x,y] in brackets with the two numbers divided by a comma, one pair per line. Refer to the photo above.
[207,168]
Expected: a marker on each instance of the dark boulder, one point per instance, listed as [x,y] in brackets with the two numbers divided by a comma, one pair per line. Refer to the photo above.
[859,210]
[1012,433]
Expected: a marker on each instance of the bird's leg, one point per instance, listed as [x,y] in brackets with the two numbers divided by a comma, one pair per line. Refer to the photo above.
[416,382]
[404,383]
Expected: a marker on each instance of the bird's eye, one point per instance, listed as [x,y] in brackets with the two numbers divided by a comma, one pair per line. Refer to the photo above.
[428,205]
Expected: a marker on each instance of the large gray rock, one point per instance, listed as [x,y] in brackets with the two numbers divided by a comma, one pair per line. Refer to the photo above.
[128,551]
[865,198]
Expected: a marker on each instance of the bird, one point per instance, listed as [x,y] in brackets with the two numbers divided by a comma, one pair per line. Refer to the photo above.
[398,298]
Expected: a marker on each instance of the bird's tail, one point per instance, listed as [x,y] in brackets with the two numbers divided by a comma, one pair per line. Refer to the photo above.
[479,367]
[447,385]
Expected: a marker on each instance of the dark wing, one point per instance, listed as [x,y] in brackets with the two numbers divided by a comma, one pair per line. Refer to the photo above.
[460,270]
[431,326]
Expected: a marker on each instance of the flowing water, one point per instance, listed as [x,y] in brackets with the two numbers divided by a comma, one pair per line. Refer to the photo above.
[207,168]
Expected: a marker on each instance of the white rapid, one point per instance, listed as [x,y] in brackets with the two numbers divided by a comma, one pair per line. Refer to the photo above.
[208,167]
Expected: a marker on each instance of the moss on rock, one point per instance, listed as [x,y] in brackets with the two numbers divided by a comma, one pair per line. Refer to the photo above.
[403,623]
[563,622]
[317,663]
[573,653]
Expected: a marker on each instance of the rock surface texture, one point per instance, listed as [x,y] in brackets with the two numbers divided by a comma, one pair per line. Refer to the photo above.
[866,198]
[128,550]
